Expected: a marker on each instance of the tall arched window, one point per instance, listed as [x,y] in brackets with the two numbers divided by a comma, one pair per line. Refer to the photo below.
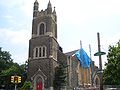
[43,51]
[36,52]
[40,52]
[41,29]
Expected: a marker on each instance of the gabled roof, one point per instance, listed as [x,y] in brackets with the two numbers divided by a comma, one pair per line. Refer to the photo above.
[71,52]
[39,72]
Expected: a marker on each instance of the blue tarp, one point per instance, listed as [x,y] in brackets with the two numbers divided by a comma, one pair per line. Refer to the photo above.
[84,59]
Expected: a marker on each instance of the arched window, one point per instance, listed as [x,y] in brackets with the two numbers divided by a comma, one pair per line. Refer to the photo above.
[40,52]
[42,29]
[36,52]
[43,51]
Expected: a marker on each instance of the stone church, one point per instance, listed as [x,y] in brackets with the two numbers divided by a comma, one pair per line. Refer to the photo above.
[45,53]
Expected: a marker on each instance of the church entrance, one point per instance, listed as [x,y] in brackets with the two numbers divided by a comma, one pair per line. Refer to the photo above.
[39,86]
[39,83]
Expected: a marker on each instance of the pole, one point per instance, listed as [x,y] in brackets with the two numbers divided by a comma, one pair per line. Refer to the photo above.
[15,86]
[100,63]
[80,44]
[82,69]
[90,51]
[91,72]
[99,50]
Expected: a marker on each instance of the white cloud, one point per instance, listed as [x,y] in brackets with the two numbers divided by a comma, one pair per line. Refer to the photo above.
[15,41]
[11,3]
[9,18]
[27,7]
[110,40]
[114,39]
[15,36]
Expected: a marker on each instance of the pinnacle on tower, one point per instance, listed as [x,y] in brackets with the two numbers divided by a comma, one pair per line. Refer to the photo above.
[49,4]
[36,5]
[35,9]
[54,12]
[49,7]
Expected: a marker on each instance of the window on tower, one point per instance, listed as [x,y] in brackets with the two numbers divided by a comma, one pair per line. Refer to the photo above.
[36,51]
[39,52]
[43,51]
[41,32]
[41,29]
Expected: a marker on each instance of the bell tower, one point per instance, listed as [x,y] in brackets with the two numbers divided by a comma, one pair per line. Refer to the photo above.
[43,47]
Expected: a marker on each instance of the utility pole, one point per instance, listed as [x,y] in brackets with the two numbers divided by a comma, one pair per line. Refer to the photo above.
[100,63]
[99,50]
[99,53]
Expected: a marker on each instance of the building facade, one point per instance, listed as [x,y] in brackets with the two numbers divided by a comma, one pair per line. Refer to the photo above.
[43,47]
[45,53]
[78,76]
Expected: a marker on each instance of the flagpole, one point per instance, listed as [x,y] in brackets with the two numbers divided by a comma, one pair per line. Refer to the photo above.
[82,70]
[90,51]
[91,70]
[80,44]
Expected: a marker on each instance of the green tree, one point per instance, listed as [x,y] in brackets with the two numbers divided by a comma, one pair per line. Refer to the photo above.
[5,60]
[111,74]
[60,76]
[5,75]
[26,86]
[8,68]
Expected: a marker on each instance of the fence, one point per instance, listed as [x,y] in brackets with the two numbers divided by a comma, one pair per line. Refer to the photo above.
[111,87]
[90,88]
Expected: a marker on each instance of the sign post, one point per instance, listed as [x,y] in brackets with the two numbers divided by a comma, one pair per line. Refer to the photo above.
[15,86]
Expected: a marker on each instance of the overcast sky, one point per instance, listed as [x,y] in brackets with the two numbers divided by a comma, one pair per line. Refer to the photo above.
[77,20]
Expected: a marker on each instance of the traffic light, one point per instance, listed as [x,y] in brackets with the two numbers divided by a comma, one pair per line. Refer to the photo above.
[19,79]
[15,79]
[12,79]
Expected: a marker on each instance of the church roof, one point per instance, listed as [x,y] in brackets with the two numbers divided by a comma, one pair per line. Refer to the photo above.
[71,52]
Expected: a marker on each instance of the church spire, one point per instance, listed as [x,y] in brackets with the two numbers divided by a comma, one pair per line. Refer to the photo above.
[49,8]
[35,9]
[49,4]
[36,5]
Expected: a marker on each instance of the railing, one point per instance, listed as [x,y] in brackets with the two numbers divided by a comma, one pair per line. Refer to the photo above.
[90,88]
[111,87]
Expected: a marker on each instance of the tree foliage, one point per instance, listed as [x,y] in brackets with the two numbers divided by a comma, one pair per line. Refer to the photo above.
[5,60]
[26,85]
[8,68]
[60,76]
[112,71]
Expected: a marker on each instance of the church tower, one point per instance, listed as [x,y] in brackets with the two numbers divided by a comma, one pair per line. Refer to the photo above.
[43,47]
